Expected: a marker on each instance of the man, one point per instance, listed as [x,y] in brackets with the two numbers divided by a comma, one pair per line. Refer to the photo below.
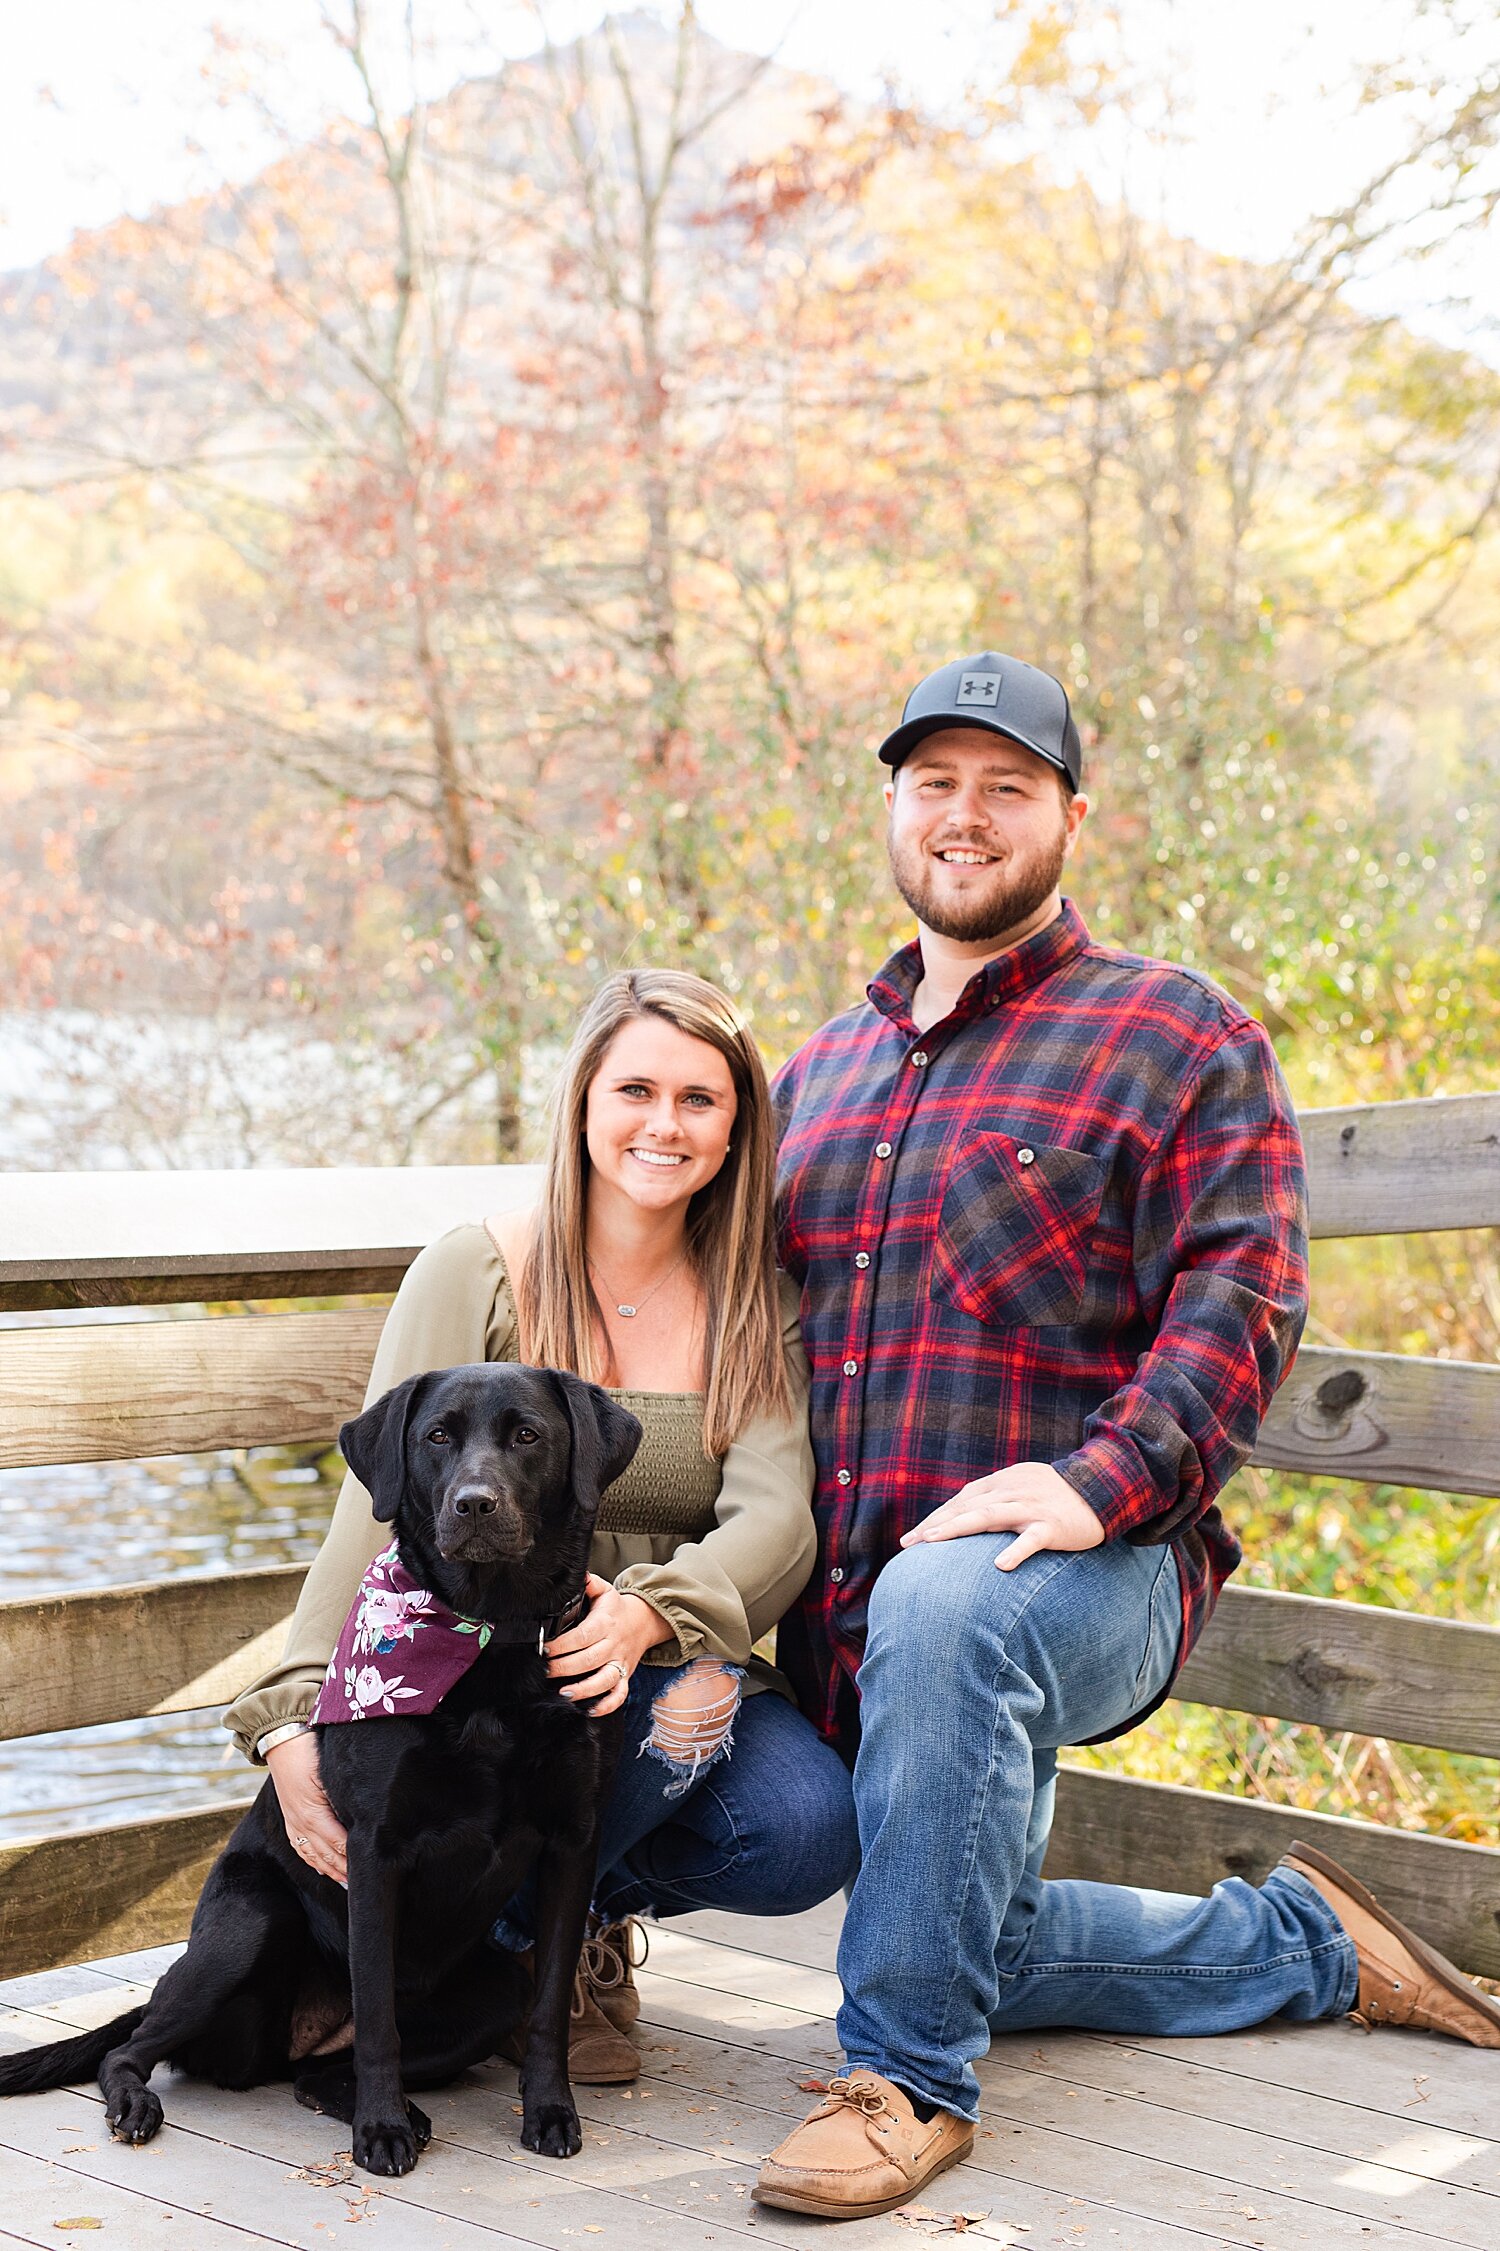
[1046,1204]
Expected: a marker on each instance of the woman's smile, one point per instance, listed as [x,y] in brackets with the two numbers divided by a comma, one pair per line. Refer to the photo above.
[659,1115]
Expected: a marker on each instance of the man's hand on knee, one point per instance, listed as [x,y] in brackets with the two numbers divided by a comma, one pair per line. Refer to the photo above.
[1029,1499]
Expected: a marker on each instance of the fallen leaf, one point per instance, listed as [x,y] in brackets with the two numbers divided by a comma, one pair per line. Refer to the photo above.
[81,2223]
[334,2172]
[938,2223]
[813,2086]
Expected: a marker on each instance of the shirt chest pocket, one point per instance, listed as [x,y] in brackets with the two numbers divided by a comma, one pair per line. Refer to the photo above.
[1015,1231]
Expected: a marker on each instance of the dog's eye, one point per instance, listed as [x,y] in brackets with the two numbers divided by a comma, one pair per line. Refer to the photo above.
[525,1435]
[437,1436]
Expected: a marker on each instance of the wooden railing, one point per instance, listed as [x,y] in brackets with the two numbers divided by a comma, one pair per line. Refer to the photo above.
[123,1390]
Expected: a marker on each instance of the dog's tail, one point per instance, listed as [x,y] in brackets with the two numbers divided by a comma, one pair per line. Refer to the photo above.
[36,2069]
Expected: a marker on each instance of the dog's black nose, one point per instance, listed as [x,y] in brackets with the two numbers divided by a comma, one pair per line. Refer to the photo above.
[474,1501]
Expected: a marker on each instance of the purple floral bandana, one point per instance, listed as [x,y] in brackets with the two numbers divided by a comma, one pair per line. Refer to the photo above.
[401,1648]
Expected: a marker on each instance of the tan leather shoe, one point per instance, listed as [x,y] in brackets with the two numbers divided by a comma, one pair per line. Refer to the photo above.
[862,2151]
[1402,1980]
[610,1961]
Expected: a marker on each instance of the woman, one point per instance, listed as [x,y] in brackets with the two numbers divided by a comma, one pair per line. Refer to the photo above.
[646,1265]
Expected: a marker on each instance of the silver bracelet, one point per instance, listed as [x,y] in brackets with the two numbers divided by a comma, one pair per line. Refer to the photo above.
[282,1734]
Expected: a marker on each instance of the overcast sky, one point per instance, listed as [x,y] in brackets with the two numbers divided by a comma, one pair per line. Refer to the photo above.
[99,97]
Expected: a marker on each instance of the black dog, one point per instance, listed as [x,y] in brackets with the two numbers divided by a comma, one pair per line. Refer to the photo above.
[492,1476]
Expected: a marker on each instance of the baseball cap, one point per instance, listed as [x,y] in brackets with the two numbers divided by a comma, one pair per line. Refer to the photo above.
[999,695]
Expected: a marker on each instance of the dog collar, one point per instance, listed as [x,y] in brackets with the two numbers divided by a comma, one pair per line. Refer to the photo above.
[401,1648]
[519,1633]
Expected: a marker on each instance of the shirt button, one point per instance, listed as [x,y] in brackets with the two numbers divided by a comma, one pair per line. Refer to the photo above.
[919,1058]
[1025,1156]
[861,1260]
[851,1367]
[836,1575]
[843,1477]
[882,1148]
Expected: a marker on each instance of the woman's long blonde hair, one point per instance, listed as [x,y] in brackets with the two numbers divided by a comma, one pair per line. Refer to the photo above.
[729,1223]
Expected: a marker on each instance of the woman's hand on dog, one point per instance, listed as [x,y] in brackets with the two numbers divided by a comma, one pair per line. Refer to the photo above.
[615,1632]
[311,1823]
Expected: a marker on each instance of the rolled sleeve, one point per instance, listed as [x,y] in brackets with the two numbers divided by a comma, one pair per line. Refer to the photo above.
[1220,1255]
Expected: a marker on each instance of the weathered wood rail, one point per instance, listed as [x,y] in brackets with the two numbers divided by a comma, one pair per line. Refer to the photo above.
[122,1390]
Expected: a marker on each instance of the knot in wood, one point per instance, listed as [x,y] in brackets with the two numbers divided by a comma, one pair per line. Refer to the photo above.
[1317,1672]
[1337,1394]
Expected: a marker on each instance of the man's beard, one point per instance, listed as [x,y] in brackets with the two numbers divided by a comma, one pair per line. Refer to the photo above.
[1013,892]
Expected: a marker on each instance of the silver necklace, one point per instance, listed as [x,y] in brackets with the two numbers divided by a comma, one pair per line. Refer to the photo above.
[629,1312]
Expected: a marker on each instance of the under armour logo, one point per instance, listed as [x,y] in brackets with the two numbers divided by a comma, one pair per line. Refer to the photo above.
[979,687]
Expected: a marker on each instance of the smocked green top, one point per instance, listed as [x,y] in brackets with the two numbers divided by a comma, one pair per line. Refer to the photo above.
[730,1543]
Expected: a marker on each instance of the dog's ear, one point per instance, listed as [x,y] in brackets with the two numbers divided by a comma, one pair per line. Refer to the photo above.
[374,1446]
[605,1435]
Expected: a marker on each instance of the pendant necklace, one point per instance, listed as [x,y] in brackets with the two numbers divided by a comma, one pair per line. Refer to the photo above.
[629,1312]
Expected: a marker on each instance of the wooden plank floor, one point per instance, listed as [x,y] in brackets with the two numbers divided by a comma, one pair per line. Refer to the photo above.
[1286,2139]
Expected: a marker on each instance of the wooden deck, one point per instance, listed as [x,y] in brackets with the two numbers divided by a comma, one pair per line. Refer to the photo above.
[1278,2139]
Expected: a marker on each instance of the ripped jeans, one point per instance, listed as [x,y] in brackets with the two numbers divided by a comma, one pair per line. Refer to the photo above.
[693,1709]
[745,1810]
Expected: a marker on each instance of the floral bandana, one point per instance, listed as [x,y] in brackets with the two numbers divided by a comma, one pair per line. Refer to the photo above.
[401,1648]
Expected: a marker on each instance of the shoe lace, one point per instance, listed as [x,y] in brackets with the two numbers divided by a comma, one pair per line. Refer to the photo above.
[860,2096]
[609,1953]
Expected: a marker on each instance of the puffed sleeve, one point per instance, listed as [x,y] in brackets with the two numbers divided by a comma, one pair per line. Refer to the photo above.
[453,1309]
[721,1593]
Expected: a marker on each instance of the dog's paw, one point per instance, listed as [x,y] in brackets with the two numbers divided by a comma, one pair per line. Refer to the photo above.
[136,2117]
[389,2146]
[552,2130]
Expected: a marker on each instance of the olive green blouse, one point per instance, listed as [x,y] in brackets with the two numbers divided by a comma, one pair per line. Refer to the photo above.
[742,1545]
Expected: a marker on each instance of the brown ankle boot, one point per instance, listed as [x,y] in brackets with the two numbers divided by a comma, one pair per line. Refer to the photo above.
[1402,1980]
[599,2055]
[610,1961]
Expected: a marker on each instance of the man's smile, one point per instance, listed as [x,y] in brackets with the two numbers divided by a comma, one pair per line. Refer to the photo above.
[965,856]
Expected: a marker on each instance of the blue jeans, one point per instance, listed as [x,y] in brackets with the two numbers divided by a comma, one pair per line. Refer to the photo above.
[764,1827]
[972,1678]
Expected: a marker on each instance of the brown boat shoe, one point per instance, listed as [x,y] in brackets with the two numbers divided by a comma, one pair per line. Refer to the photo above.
[1402,1980]
[862,2151]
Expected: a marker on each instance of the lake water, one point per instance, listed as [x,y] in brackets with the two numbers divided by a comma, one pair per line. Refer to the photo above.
[106,1525]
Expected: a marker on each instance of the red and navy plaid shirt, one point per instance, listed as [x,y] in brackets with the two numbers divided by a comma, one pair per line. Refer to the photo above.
[1066,1224]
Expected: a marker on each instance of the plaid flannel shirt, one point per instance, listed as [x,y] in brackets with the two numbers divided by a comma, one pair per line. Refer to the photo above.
[1066,1224]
